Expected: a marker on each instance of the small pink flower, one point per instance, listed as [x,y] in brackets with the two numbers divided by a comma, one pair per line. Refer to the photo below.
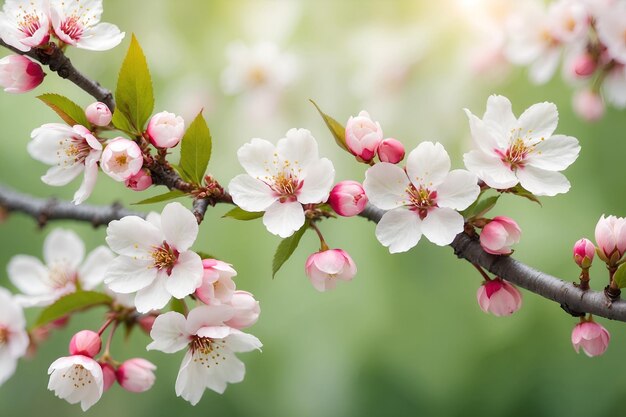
[584,252]
[499,298]
[19,74]
[584,65]
[324,268]
[348,198]
[588,105]
[499,234]
[121,159]
[217,282]
[592,337]
[363,136]
[140,181]
[86,343]
[98,114]
[391,150]
[136,375]
[611,238]
[165,130]
[108,376]
[246,310]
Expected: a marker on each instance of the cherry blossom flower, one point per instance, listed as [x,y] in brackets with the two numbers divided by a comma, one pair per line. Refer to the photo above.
[217,282]
[421,199]
[499,234]
[71,151]
[524,150]
[281,178]
[63,272]
[363,136]
[121,159]
[77,23]
[86,343]
[13,335]
[611,26]
[165,129]
[24,24]
[347,198]
[610,236]
[136,375]
[19,74]
[592,337]
[76,379]
[98,114]
[390,150]
[210,361]
[154,257]
[499,297]
[324,268]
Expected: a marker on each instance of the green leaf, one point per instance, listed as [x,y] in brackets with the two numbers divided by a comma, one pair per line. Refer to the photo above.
[71,303]
[336,128]
[181,172]
[240,214]
[205,255]
[286,248]
[170,195]
[620,276]
[195,151]
[70,112]
[480,207]
[134,96]
[522,192]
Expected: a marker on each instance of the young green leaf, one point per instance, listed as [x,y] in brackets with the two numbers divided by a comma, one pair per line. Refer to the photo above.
[240,214]
[522,192]
[336,128]
[71,303]
[170,195]
[70,112]
[480,207]
[134,96]
[286,248]
[620,276]
[195,151]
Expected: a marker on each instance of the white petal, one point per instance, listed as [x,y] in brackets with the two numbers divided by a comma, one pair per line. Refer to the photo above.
[545,66]
[153,297]
[101,37]
[89,179]
[126,275]
[179,226]
[458,190]
[441,225]
[487,136]
[399,229]
[385,185]
[257,158]
[499,112]
[317,182]
[133,236]
[239,341]
[555,153]
[29,275]
[206,316]
[299,147]
[8,364]
[283,219]
[169,333]
[190,382]
[428,165]
[542,182]
[92,271]
[63,247]
[490,169]
[251,194]
[186,275]
[61,175]
[539,121]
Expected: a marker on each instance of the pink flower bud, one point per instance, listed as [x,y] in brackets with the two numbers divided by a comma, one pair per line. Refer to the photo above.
[140,181]
[584,65]
[588,105]
[391,150]
[217,282]
[98,114]
[136,375]
[592,337]
[584,252]
[121,159]
[19,74]
[611,238]
[347,198]
[108,375]
[363,136]
[498,297]
[165,130]
[247,310]
[324,268]
[499,234]
[86,343]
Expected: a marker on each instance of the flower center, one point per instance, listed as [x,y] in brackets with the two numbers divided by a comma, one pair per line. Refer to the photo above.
[29,23]
[78,375]
[72,27]
[257,76]
[72,150]
[4,335]
[422,199]
[206,351]
[121,160]
[516,155]
[165,257]
[60,275]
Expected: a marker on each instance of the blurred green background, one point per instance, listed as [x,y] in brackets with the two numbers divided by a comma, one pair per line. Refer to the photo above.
[406,337]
